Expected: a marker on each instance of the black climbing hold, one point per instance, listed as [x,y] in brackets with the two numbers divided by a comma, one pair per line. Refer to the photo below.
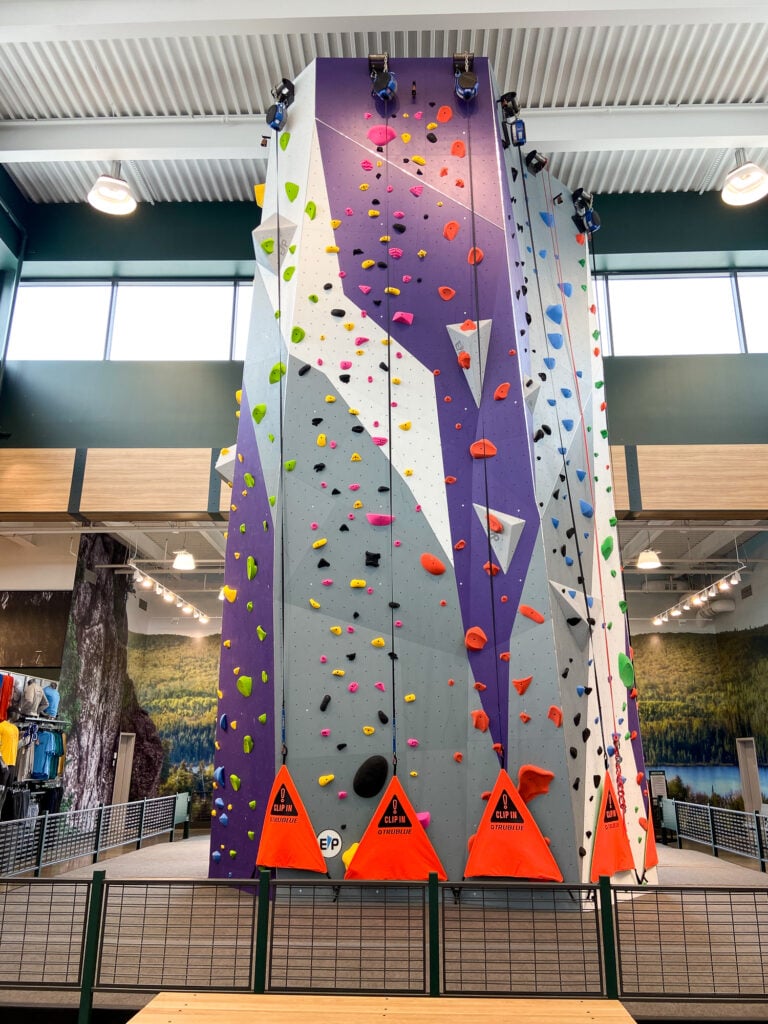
[343,528]
[372,559]
[547,430]
[573,620]
[431,137]
[319,467]
[325,702]
[341,746]
[576,784]
[317,421]
[394,604]
[352,656]
[335,491]
[327,287]
[357,252]
[383,490]
[356,615]
[588,834]
[582,852]
[357,429]
[570,532]
[528,319]
[577,718]
[382,264]
[377,302]
[344,378]
[573,752]
[538,435]
[556,494]
[565,672]
[338,313]
[585,734]
[384,367]
[323,563]
[542,376]
[370,776]
[596,780]
[392,656]
[399,228]
[304,369]
[383,718]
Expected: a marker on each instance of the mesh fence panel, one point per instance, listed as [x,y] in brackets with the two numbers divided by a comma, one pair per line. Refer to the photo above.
[521,940]
[707,943]
[693,823]
[177,935]
[42,933]
[348,938]
[735,831]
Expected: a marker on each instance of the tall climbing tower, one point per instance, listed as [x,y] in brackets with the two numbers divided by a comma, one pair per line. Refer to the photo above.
[422,573]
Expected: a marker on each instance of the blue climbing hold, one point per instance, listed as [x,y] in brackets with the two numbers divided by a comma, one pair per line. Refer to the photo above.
[572,594]
[580,691]
[547,217]
[218,802]
[216,856]
[586,509]
[549,362]
[555,313]
[568,424]
[224,819]
[610,750]
[590,602]
[555,522]
[223,723]
[566,392]
[566,288]
[579,374]
[568,560]
[551,401]
[580,473]
[555,340]
[543,253]
[561,451]
[219,777]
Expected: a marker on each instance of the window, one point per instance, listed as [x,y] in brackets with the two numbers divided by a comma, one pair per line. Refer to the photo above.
[175,321]
[60,321]
[752,293]
[656,316]
[244,291]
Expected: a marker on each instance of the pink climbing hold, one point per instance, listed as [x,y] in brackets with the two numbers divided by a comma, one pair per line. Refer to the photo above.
[379,518]
[345,364]
[380,441]
[380,686]
[395,253]
[327,583]
[364,288]
[402,317]
[325,732]
[381,134]
[349,211]
[342,794]
[354,487]
[407,278]
[412,742]
[366,164]
[361,340]
[398,214]
[323,659]
[416,190]
[353,687]
[424,818]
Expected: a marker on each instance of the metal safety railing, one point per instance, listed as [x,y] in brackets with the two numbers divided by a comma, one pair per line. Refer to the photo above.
[31,844]
[429,939]
[738,832]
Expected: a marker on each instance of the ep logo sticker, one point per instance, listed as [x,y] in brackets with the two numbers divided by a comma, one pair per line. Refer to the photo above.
[330,843]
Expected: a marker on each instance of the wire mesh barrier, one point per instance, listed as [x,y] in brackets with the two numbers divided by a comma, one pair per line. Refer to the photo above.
[42,933]
[350,937]
[522,940]
[720,828]
[177,935]
[705,943]
[30,844]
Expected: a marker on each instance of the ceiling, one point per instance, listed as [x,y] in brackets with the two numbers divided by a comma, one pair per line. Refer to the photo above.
[622,95]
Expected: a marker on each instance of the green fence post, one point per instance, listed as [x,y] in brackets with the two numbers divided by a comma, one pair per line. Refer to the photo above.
[433,895]
[91,948]
[97,843]
[760,843]
[41,843]
[262,934]
[142,812]
[609,939]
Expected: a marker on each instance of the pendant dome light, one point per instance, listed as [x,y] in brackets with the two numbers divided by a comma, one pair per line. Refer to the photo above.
[112,194]
[746,183]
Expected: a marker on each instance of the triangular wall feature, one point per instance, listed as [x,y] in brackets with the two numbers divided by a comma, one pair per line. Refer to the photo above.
[504,543]
[473,341]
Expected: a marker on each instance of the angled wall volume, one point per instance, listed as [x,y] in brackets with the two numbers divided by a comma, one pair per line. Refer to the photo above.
[422,574]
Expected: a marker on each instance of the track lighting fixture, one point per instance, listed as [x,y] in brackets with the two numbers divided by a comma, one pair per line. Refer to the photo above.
[710,591]
[169,597]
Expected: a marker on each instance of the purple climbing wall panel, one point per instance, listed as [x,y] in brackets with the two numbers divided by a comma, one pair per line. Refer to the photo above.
[421,560]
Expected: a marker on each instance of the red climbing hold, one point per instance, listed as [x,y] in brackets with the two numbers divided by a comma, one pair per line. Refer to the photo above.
[446,293]
[495,525]
[475,256]
[475,638]
[531,613]
[532,781]
[480,687]
[504,656]
[555,714]
[501,392]
[491,569]
[483,449]
[432,564]
[480,720]
[444,115]
[524,718]
[458,149]
[458,757]
[450,479]
[468,325]
[450,230]
[464,360]
[459,545]
[521,685]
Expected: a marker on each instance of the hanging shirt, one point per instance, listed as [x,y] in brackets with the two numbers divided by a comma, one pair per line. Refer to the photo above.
[53,697]
[45,748]
[34,700]
[9,742]
[6,693]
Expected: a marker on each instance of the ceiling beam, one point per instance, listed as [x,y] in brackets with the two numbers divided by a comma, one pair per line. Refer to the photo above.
[36,20]
[724,126]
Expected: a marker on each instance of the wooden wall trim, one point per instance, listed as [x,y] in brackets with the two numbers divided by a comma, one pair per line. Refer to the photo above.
[35,481]
[145,480]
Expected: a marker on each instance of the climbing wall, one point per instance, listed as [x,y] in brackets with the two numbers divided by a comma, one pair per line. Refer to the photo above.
[422,574]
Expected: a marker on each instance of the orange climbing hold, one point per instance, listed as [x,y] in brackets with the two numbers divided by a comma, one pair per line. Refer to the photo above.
[468,325]
[555,714]
[475,638]
[459,545]
[464,360]
[531,613]
[480,720]
[444,115]
[450,230]
[491,569]
[521,685]
[458,149]
[450,479]
[532,781]
[504,656]
[458,757]
[446,293]
[475,256]
[480,687]
[501,392]
[483,449]
[432,564]
[495,525]
[524,718]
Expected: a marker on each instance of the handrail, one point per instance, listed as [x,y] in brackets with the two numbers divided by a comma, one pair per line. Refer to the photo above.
[720,828]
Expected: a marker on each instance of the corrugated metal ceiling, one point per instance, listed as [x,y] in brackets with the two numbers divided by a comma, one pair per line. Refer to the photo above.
[620,68]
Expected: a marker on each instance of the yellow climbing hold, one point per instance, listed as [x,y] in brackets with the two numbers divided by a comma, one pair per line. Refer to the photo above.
[378,641]
[419,160]
[230,593]
[364,187]
[349,854]
[339,672]
[386,238]
[421,253]
[239,395]
[336,630]
[405,425]
[320,543]
[354,412]
[324,780]
[226,643]
[330,399]
[355,457]
[414,775]
[374,213]
[409,698]
[408,472]
[349,327]
[313,603]
[357,584]
[406,137]
[391,291]
[368,730]
[357,504]
[431,126]
[332,248]
[335,223]
[258,194]
[322,440]
[367,264]
[396,380]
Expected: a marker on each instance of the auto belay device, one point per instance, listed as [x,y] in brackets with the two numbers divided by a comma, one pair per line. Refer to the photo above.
[283,94]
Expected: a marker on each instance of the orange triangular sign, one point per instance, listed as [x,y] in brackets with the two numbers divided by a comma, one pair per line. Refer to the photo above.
[610,850]
[508,843]
[287,837]
[395,845]
[651,854]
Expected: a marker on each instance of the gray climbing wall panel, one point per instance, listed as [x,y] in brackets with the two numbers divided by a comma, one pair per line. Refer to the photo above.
[418,561]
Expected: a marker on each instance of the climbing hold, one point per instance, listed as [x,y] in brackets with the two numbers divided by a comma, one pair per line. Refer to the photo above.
[483,449]
[446,293]
[406,425]
[320,543]
[475,256]
[297,334]
[402,317]
[357,584]
[259,412]
[261,633]
[247,744]
[531,613]
[234,781]
[379,518]
[521,685]
[432,564]
[324,780]
[450,230]
[480,686]
[458,757]
[353,687]
[475,638]
[533,781]
[370,776]
[586,509]
[291,190]
[458,149]
[480,720]
[378,641]
[245,685]
[555,313]
[606,548]
[249,480]
[464,360]
[555,714]
[263,719]
[277,371]
[626,671]
[230,593]
[368,730]
[311,210]
[501,392]
[381,134]
[251,567]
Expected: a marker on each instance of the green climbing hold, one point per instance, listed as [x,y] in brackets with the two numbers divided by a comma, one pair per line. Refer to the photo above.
[249,479]
[613,520]
[251,835]
[290,465]
[609,625]
[242,527]
[261,633]
[626,671]
[582,262]
[291,190]
[277,314]
[583,287]
[271,437]
[288,273]
[606,548]
[272,499]
[277,371]
[234,781]
[268,245]
[263,718]
[314,298]
[623,607]
[613,573]
[249,606]
[311,210]
[595,334]
[285,138]
[259,412]
[252,804]
[603,433]
[233,854]
[298,334]
[247,744]
[291,249]
[599,384]
[265,525]
[264,676]
[251,567]
[244,685]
